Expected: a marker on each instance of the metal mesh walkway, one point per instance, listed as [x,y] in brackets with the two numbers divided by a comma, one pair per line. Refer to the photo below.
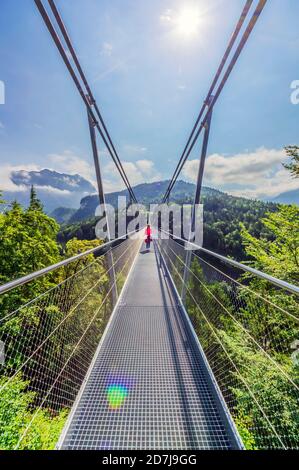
[148,387]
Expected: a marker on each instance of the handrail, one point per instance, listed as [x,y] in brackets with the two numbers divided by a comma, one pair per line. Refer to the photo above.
[30,277]
[278,282]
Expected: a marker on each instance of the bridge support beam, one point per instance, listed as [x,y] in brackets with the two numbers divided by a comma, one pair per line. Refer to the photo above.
[200,174]
[103,203]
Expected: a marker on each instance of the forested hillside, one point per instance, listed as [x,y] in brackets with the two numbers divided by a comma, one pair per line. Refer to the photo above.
[222,215]
[257,327]
[27,316]
[255,322]
[146,193]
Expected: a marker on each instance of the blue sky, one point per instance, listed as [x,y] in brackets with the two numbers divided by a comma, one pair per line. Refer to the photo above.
[150,79]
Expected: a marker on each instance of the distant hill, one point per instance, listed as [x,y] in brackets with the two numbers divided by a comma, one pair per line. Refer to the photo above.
[53,189]
[62,215]
[290,197]
[146,193]
[223,214]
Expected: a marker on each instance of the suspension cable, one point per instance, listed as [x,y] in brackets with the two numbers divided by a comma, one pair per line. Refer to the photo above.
[83,77]
[85,98]
[211,101]
[215,80]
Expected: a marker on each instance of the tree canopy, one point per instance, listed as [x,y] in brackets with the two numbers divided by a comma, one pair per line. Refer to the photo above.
[293,152]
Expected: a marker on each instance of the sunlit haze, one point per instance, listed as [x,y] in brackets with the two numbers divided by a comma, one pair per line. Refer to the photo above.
[150,65]
[188,21]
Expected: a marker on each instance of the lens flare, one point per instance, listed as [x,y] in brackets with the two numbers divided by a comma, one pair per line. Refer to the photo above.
[116,395]
[117,388]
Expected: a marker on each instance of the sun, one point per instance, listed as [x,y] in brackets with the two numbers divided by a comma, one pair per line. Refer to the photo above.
[188,21]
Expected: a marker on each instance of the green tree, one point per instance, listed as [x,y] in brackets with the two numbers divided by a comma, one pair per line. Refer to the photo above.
[35,203]
[293,152]
[254,328]
[270,317]
[69,304]
[27,241]
[280,257]
[27,244]
[265,400]
[17,412]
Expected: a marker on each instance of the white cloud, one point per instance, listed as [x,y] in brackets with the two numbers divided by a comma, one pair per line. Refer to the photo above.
[107,49]
[252,174]
[190,170]
[51,190]
[1,125]
[141,171]
[244,168]
[133,150]
[5,172]
[281,182]
[145,166]
[68,162]
[167,16]
[6,184]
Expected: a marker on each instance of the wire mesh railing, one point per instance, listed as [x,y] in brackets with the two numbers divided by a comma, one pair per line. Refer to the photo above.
[48,341]
[248,328]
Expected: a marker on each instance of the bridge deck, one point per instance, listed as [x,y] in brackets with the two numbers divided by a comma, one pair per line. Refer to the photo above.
[149,387]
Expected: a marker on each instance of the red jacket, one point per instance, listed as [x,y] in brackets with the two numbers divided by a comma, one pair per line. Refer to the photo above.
[148,231]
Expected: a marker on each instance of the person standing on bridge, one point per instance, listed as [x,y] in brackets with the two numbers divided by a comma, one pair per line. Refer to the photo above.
[148,232]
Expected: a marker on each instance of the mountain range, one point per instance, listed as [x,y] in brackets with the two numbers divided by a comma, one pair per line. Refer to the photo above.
[223,214]
[289,197]
[54,189]
[146,193]
[72,198]
[72,201]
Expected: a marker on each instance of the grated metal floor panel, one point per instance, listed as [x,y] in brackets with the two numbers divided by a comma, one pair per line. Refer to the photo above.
[148,388]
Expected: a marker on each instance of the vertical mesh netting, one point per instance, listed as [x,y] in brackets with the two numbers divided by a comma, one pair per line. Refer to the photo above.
[48,343]
[248,329]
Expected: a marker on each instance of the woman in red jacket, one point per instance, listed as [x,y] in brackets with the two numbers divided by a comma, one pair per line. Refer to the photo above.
[148,232]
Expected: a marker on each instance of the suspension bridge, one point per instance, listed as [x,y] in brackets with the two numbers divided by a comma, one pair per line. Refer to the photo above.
[135,344]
